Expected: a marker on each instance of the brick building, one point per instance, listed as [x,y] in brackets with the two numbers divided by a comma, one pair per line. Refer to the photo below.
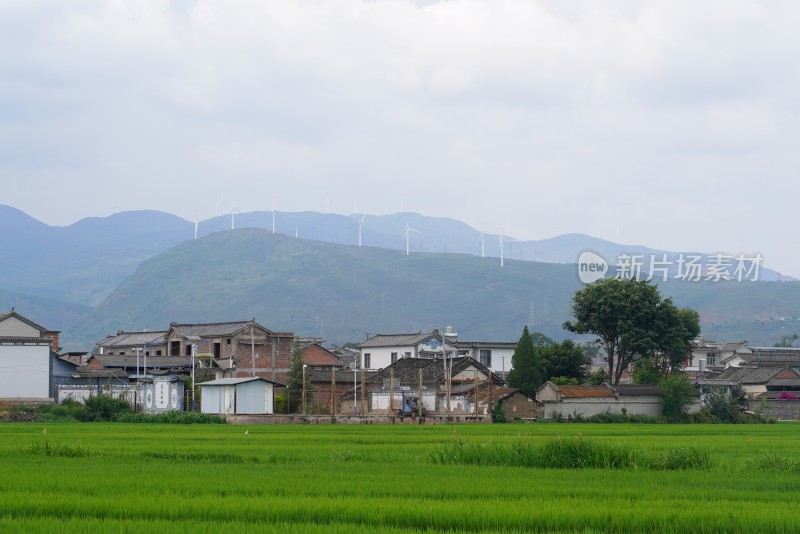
[244,347]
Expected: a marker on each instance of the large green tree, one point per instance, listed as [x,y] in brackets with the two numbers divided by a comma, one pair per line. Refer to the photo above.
[566,360]
[526,365]
[632,321]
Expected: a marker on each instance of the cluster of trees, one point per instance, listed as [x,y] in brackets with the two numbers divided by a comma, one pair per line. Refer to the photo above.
[538,359]
[634,324]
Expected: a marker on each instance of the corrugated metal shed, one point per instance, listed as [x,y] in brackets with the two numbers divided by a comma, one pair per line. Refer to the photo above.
[232,396]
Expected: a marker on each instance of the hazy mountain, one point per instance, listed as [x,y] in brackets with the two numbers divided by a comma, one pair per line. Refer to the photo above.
[52,314]
[82,263]
[343,292]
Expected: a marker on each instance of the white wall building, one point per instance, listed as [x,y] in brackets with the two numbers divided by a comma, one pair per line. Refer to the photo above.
[382,350]
[25,358]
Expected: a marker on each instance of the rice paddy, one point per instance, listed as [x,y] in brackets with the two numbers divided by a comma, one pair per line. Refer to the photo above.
[366,478]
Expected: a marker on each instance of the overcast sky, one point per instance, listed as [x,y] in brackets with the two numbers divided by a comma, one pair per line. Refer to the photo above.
[672,124]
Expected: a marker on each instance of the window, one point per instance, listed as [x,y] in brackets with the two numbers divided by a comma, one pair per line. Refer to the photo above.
[174,348]
[228,341]
[158,353]
[147,353]
[486,357]
[408,354]
[122,353]
[367,360]
[711,358]
[394,357]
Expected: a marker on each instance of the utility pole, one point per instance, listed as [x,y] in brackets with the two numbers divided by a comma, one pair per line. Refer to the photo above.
[304,388]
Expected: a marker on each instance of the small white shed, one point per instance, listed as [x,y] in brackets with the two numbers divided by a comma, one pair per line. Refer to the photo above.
[238,396]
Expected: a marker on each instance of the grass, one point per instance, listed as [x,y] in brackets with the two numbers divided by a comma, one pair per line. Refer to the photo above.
[572,453]
[369,478]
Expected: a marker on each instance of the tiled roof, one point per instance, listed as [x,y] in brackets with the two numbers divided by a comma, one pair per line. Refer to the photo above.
[486,344]
[395,340]
[85,372]
[785,378]
[575,392]
[638,389]
[203,330]
[235,381]
[133,339]
[749,375]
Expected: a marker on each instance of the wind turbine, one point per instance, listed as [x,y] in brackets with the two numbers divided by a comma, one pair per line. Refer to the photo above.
[196,223]
[234,211]
[502,240]
[407,236]
[482,239]
[361,227]
[274,207]
[219,206]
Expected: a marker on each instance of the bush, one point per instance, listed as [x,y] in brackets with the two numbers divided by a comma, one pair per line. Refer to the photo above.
[102,408]
[499,413]
[676,396]
[175,418]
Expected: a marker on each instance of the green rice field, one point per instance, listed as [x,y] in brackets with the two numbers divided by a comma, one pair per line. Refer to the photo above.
[113,477]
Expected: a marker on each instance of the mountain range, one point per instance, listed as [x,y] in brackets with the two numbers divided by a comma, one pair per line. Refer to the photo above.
[141,270]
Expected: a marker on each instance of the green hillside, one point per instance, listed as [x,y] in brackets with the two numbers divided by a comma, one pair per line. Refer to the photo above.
[343,292]
[338,291]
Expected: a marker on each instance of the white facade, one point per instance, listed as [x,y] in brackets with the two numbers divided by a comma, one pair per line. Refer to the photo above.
[495,356]
[25,370]
[24,359]
[717,356]
[381,351]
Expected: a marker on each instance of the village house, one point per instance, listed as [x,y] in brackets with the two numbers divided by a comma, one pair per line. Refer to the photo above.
[382,350]
[27,351]
[440,387]
[130,343]
[716,356]
[494,355]
[244,347]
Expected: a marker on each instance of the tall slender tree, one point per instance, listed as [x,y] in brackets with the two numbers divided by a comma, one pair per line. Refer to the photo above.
[294,394]
[526,365]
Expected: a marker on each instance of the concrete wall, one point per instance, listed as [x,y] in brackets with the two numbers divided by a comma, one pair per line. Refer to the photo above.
[590,407]
[783,409]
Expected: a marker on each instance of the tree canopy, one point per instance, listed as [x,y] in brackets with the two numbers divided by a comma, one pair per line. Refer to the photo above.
[538,358]
[633,321]
[526,365]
